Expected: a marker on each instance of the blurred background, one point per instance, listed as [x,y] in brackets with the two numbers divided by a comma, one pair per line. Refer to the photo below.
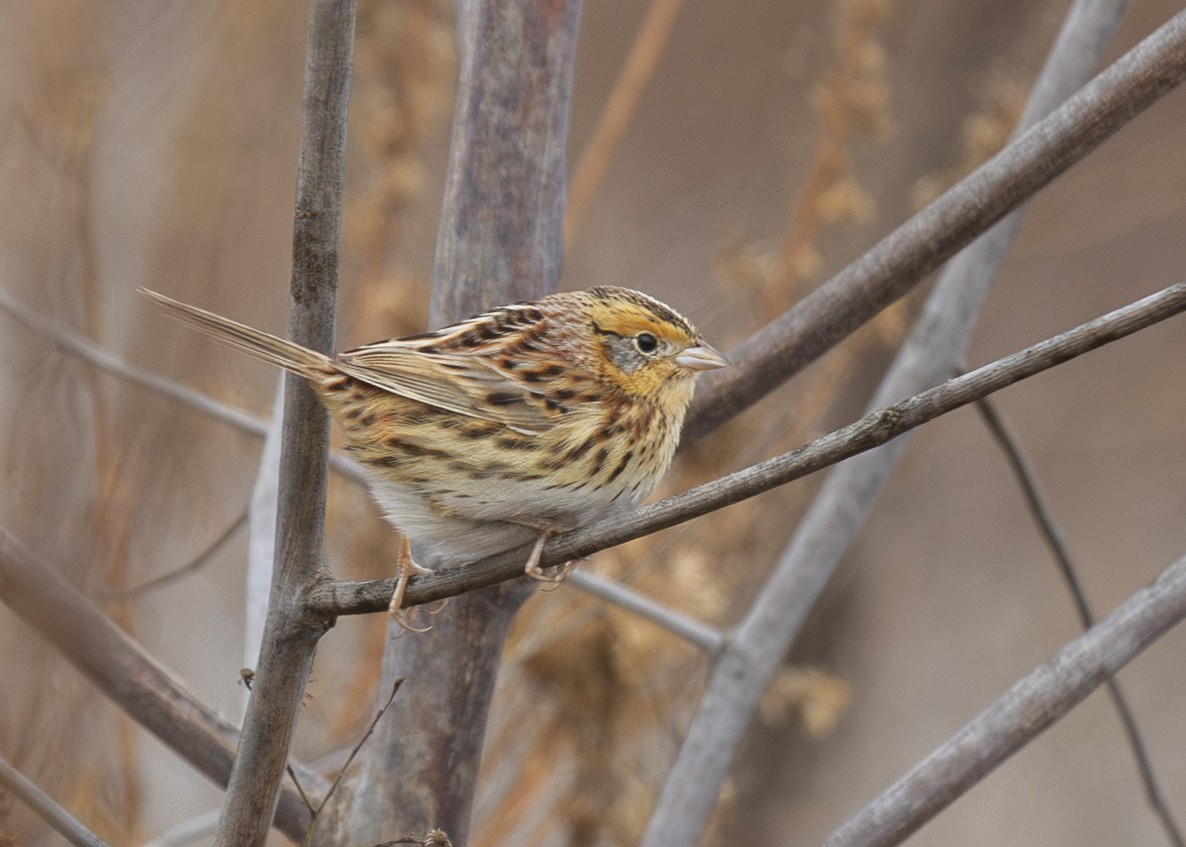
[155,144]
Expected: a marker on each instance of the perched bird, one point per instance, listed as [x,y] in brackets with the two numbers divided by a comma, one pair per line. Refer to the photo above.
[524,421]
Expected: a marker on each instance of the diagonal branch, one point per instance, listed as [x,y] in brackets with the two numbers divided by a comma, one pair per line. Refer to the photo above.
[129,676]
[1025,710]
[874,429]
[1027,478]
[64,823]
[106,361]
[901,260]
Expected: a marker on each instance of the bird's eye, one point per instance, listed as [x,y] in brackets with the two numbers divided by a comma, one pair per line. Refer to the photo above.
[646,343]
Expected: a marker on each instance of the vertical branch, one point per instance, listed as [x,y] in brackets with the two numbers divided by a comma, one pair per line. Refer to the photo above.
[500,232]
[499,240]
[934,348]
[290,639]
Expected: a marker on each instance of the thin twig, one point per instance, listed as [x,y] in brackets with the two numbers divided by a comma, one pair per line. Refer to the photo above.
[196,564]
[64,823]
[109,363]
[874,429]
[1027,478]
[701,634]
[399,681]
[903,258]
[1025,710]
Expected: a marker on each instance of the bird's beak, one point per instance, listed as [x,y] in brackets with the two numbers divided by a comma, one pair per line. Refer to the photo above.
[702,357]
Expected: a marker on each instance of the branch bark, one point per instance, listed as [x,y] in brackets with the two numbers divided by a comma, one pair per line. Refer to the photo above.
[1030,706]
[499,241]
[900,261]
[873,430]
[290,636]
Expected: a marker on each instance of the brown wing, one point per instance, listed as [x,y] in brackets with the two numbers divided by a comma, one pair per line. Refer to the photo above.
[466,384]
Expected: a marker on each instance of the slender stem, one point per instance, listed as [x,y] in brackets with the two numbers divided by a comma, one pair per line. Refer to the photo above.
[64,823]
[1017,717]
[290,637]
[873,430]
[1055,539]
[707,637]
[108,362]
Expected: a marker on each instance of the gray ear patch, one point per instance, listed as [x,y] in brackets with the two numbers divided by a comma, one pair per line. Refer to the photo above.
[623,353]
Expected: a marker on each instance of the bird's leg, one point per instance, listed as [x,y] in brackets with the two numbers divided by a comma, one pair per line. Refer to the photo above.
[406,568]
[532,568]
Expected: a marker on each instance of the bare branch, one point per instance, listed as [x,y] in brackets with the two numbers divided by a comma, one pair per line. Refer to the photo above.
[399,681]
[108,362]
[900,260]
[290,637]
[1027,478]
[874,429]
[124,672]
[701,634]
[1032,704]
[499,240]
[935,345]
[64,823]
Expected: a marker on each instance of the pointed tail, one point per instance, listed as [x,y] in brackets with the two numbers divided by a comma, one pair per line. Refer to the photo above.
[262,345]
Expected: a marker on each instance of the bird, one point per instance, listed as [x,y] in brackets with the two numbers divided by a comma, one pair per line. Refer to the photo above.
[524,421]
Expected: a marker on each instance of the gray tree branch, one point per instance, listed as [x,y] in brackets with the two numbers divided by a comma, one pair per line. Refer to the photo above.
[64,823]
[109,363]
[932,351]
[1027,479]
[290,636]
[1025,710]
[904,257]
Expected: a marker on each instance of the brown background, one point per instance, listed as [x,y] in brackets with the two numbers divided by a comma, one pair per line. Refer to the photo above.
[154,144]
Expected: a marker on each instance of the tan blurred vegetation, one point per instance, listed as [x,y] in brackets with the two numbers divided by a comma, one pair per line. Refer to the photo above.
[772,143]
